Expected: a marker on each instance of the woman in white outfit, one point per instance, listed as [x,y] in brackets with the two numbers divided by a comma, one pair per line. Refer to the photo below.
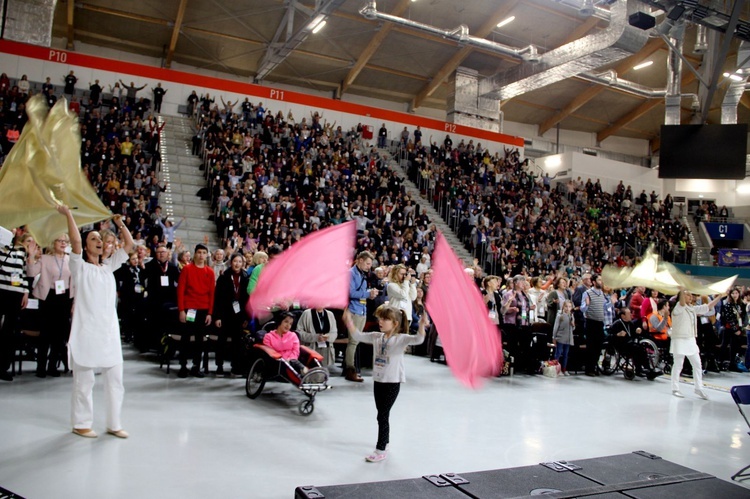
[683,333]
[95,332]
[402,289]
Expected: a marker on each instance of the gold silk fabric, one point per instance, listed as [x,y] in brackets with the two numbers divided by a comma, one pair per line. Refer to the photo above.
[653,273]
[43,170]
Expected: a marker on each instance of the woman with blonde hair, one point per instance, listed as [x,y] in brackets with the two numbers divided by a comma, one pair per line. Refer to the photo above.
[55,294]
[402,289]
[388,373]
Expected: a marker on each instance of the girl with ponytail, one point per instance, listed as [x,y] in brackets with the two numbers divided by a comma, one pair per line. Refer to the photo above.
[388,347]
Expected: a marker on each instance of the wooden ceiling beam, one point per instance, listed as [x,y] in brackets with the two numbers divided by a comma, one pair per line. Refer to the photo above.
[71,28]
[117,41]
[651,46]
[456,59]
[176,32]
[629,117]
[372,47]
[121,13]
[637,112]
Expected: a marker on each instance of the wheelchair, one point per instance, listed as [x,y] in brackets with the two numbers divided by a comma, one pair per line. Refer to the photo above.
[613,360]
[266,365]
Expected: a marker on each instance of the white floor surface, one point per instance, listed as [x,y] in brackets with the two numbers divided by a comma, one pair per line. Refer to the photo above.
[205,438]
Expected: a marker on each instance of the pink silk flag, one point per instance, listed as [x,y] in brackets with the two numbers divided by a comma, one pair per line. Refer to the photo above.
[314,271]
[471,342]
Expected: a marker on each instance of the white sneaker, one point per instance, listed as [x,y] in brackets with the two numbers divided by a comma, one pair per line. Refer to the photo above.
[701,394]
[566,373]
[678,394]
[377,456]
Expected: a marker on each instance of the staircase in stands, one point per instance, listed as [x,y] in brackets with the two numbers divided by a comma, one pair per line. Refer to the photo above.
[425,205]
[181,170]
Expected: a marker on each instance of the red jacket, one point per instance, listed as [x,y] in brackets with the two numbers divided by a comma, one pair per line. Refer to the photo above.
[195,289]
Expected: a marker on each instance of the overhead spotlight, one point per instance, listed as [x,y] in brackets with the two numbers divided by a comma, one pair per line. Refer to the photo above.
[642,65]
[506,21]
[587,8]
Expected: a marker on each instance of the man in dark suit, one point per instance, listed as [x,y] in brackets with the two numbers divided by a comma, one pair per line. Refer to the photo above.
[161,278]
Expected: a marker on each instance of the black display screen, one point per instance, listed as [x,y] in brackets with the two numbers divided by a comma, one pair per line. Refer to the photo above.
[703,151]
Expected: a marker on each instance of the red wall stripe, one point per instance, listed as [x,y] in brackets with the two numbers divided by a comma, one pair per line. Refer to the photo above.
[249,89]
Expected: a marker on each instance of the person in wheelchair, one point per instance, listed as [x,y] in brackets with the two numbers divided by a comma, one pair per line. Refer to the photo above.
[285,342]
[624,337]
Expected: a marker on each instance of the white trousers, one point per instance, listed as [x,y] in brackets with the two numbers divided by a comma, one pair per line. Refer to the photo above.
[695,361]
[82,403]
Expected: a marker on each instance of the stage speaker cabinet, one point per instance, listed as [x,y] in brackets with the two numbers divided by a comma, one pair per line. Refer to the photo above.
[642,20]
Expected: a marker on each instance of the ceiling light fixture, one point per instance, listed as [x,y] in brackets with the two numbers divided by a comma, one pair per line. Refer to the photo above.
[643,65]
[506,21]
[318,27]
[733,76]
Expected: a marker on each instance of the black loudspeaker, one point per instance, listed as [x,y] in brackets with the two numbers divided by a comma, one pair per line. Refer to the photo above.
[642,20]
[638,475]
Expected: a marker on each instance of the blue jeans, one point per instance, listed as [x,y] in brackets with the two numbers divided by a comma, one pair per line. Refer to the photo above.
[561,355]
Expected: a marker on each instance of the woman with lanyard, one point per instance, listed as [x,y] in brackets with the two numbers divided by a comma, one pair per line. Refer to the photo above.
[317,330]
[55,294]
[683,344]
[388,347]
[95,332]
[230,317]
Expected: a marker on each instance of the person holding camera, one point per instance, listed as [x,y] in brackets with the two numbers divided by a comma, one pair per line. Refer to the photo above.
[402,289]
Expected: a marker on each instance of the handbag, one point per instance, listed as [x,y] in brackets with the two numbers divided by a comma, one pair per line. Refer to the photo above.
[551,369]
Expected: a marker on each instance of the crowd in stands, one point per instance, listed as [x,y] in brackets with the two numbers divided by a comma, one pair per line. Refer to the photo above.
[272,178]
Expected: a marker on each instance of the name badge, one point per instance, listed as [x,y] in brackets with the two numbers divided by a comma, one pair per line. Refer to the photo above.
[32,304]
[138,288]
[164,280]
[381,361]
[236,306]
[322,344]
[60,287]
[493,315]
[191,315]
[15,280]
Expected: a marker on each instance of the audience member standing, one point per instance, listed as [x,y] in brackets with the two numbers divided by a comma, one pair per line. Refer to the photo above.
[161,277]
[70,83]
[159,93]
[14,296]
[55,294]
[594,300]
[229,313]
[195,300]
[359,293]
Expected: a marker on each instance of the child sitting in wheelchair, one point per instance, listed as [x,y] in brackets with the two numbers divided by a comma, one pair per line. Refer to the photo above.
[286,342]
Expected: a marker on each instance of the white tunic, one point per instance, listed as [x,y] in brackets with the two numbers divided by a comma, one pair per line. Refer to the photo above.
[685,329]
[95,332]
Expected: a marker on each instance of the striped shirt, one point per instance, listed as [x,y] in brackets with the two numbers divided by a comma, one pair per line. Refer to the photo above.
[13,270]
[595,309]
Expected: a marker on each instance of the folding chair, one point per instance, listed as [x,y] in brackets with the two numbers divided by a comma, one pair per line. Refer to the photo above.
[741,396]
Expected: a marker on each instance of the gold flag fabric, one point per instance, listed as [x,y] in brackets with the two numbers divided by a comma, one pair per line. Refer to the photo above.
[42,170]
[653,273]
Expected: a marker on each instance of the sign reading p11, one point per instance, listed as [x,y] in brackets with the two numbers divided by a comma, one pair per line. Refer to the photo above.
[727,232]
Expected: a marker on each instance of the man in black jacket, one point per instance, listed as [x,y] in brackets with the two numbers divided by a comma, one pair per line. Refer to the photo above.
[161,277]
[230,317]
